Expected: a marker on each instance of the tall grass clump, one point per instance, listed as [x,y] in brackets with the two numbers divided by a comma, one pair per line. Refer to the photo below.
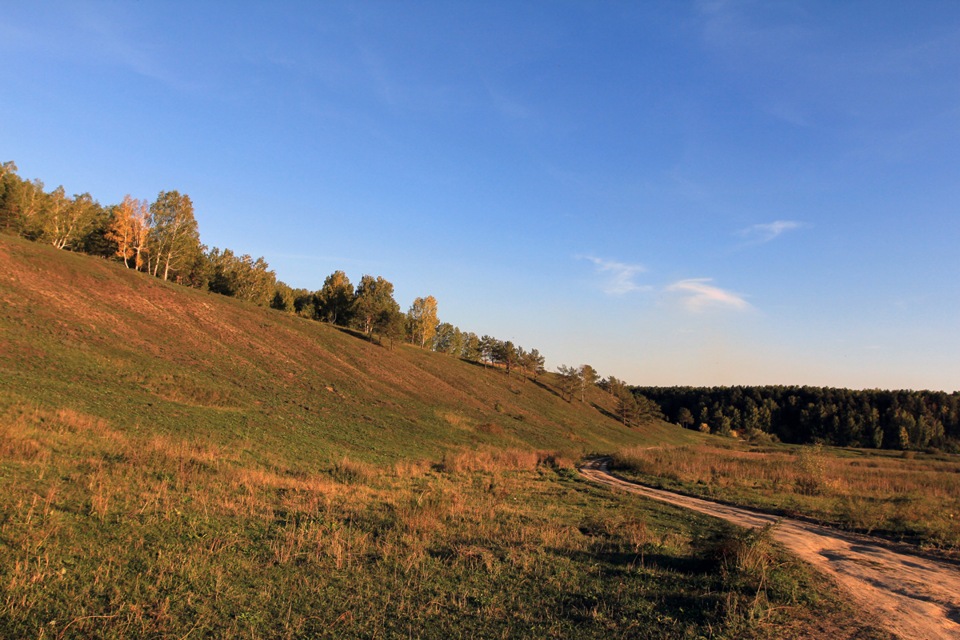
[499,460]
[811,470]
[350,471]
[753,575]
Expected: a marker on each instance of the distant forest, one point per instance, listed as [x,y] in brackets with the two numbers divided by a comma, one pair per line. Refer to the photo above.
[843,417]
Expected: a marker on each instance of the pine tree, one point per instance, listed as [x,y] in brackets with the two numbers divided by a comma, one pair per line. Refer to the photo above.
[588,377]
[569,381]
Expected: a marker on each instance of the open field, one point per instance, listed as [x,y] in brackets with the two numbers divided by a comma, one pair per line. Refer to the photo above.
[915,497]
[116,535]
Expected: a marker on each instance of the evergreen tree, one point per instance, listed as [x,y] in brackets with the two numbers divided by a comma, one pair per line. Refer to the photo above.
[471,347]
[505,353]
[569,381]
[389,324]
[627,409]
[486,347]
[588,377]
[535,363]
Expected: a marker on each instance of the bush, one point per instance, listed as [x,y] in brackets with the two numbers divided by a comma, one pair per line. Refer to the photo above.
[812,467]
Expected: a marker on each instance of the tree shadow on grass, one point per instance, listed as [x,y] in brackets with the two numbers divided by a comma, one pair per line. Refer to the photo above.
[691,566]
[373,338]
[475,363]
[353,333]
[547,388]
[680,588]
[608,414]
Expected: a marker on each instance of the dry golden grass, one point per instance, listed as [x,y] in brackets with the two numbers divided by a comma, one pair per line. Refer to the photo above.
[497,460]
[914,496]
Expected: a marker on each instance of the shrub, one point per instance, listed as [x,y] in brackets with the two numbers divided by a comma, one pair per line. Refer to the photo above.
[812,467]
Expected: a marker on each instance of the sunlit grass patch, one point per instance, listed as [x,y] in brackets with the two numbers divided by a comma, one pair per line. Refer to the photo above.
[917,497]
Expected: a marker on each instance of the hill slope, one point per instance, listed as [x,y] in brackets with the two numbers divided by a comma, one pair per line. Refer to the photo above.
[96,338]
[178,464]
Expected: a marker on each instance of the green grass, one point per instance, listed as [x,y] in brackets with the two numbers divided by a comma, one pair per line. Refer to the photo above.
[178,464]
[113,535]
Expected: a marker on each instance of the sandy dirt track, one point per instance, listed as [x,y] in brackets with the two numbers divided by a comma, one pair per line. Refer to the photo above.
[909,595]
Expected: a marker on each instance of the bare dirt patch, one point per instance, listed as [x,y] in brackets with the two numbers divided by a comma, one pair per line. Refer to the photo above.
[909,595]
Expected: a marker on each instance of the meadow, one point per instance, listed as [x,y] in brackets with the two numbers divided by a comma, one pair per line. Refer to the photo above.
[910,496]
[116,535]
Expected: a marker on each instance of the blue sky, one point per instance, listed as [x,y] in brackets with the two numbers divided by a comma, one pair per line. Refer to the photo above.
[674,192]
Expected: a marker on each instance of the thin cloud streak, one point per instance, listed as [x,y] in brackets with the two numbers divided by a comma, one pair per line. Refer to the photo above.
[698,295]
[620,276]
[762,233]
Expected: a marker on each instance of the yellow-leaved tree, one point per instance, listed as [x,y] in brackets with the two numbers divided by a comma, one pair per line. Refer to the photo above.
[129,229]
[423,320]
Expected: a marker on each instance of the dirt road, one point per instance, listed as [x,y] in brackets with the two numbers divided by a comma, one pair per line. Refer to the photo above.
[911,596]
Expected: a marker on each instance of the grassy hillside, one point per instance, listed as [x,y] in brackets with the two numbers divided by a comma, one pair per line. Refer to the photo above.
[177,464]
[93,337]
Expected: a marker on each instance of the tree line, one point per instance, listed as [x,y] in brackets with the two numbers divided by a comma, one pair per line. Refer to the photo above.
[162,238]
[632,408]
[843,417]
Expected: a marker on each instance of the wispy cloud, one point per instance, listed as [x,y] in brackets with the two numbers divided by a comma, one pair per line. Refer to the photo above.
[761,233]
[698,295]
[618,276]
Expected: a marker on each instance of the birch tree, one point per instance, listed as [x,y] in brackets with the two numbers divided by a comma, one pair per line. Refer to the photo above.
[423,320]
[129,229]
[373,299]
[64,221]
[174,238]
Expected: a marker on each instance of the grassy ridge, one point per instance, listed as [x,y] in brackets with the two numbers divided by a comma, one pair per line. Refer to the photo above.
[178,464]
[89,335]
